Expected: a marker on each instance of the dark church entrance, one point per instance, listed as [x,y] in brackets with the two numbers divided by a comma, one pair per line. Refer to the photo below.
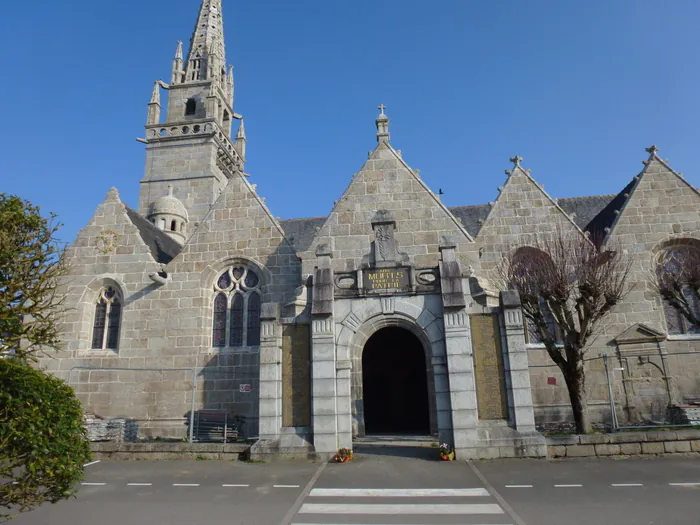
[395,387]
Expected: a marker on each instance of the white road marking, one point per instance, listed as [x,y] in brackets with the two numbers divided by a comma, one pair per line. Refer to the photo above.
[567,486]
[185,484]
[93,484]
[91,463]
[627,485]
[286,486]
[397,493]
[340,508]
[139,484]
[691,484]
[518,486]
[234,485]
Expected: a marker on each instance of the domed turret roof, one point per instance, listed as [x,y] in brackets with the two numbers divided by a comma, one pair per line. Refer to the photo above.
[169,205]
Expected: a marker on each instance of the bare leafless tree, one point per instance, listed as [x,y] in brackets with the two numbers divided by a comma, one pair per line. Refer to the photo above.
[567,285]
[677,279]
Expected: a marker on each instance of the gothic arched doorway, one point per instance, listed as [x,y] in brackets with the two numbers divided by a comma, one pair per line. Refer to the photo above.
[394,384]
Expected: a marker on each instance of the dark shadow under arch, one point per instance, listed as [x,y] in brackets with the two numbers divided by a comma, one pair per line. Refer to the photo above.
[395,386]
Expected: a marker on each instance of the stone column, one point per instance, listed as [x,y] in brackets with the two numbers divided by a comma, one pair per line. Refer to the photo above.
[515,364]
[323,358]
[270,373]
[458,349]
[344,403]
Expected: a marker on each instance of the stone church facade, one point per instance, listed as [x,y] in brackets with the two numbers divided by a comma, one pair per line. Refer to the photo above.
[377,319]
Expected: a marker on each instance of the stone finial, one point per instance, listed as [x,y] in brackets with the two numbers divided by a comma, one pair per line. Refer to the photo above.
[113,195]
[382,125]
[170,190]
[178,51]
[652,150]
[155,96]
[516,161]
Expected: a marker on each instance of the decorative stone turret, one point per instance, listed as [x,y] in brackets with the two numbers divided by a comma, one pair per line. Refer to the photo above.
[170,215]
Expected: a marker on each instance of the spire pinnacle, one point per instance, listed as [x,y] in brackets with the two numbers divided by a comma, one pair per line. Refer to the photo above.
[207,38]
[178,51]
[382,125]
[241,131]
[155,96]
[241,139]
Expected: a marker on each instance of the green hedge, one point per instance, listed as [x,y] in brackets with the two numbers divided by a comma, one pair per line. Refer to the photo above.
[43,443]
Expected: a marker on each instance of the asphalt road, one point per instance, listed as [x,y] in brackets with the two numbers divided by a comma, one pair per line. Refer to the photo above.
[385,486]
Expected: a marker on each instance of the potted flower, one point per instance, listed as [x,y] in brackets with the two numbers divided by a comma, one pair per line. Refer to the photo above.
[446,452]
[343,455]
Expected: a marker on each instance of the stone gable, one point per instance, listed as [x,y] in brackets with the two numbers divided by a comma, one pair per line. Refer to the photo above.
[521,214]
[386,182]
[661,206]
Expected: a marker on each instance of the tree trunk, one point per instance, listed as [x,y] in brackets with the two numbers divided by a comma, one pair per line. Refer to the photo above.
[576,384]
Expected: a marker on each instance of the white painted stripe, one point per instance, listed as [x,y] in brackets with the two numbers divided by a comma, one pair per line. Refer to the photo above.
[691,484]
[93,484]
[286,486]
[518,486]
[627,485]
[375,524]
[185,484]
[139,484]
[234,485]
[397,493]
[340,508]
[567,486]
[91,463]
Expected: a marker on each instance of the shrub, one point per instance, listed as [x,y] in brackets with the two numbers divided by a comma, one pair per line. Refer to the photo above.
[43,443]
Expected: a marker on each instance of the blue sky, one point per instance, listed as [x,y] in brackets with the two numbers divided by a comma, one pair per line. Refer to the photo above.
[579,89]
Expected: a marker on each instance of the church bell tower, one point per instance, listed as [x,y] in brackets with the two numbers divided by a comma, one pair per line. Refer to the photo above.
[192,150]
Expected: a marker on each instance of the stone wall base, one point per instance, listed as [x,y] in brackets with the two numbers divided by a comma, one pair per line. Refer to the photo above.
[167,451]
[493,440]
[624,444]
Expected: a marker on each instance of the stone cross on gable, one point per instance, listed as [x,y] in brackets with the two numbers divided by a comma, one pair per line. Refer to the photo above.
[516,161]
[381,108]
[652,150]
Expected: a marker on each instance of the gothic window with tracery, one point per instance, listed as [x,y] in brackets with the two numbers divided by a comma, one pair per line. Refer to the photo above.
[237,308]
[675,267]
[107,320]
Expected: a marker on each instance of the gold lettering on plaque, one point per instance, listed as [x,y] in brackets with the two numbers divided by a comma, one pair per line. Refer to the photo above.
[488,367]
[386,279]
[296,376]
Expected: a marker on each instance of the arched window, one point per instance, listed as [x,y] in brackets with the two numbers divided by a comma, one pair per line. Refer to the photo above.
[108,313]
[190,107]
[173,226]
[678,277]
[237,308]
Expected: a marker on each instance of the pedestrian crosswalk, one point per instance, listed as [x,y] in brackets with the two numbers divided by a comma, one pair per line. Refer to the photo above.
[383,506]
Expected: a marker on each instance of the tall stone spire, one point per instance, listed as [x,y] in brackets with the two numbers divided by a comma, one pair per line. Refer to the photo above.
[207,43]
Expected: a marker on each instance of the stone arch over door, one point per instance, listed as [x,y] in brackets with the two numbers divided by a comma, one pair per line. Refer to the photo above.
[367,317]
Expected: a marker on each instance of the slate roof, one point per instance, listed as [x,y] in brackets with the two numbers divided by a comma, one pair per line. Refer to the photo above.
[301,231]
[162,246]
[594,213]
[607,215]
[585,209]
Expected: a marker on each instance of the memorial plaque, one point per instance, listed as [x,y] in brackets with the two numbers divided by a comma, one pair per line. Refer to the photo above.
[296,376]
[386,279]
[488,367]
